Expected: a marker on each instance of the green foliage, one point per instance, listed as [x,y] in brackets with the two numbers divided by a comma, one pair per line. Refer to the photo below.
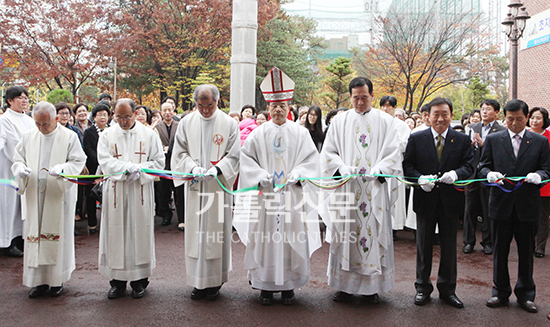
[289,43]
[337,81]
[59,95]
[478,91]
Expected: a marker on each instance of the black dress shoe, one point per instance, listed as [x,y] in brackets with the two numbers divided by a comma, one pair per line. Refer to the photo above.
[342,297]
[496,302]
[372,299]
[528,306]
[421,298]
[56,291]
[38,291]
[468,248]
[115,292]
[166,221]
[539,255]
[266,297]
[197,294]
[14,252]
[92,230]
[488,249]
[181,226]
[452,300]
[138,291]
[288,297]
[212,293]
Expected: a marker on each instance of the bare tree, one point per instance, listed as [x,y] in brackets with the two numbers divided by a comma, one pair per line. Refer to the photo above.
[420,53]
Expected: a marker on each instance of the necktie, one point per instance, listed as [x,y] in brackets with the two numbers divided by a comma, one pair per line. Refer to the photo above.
[439,147]
[516,144]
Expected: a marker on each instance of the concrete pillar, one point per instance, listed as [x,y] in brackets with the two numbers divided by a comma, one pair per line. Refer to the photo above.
[243,54]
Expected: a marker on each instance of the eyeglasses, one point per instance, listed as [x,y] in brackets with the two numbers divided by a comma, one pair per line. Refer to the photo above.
[126,118]
[64,113]
[22,98]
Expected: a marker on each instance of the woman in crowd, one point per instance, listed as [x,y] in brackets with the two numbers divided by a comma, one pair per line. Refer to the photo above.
[236,116]
[64,114]
[475,116]
[100,115]
[261,117]
[539,121]
[156,118]
[143,115]
[247,124]
[314,126]
[80,112]
[411,122]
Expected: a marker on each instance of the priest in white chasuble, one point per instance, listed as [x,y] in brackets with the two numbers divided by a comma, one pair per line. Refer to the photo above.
[126,238]
[207,144]
[282,232]
[361,141]
[13,124]
[48,201]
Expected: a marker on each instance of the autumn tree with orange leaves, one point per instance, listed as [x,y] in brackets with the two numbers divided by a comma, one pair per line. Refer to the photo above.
[58,43]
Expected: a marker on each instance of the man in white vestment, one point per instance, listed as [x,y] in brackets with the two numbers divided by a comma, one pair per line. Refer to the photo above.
[282,233]
[388,104]
[207,144]
[48,201]
[13,123]
[361,141]
[126,238]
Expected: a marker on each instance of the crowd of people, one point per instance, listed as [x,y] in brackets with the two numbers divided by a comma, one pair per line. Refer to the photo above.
[157,163]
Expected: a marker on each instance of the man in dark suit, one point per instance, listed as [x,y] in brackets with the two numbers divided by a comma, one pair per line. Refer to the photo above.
[477,196]
[444,154]
[164,188]
[516,152]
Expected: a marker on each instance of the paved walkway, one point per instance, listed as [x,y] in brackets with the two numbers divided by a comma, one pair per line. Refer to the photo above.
[167,302]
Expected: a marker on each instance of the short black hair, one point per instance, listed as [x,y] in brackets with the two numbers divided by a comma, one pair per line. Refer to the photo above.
[425,108]
[101,106]
[62,105]
[516,105]
[105,96]
[78,105]
[247,106]
[439,101]
[13,92]
[544,113]
[475,111]
[491,102]
[169,98]
[330,115]
[361,81]
[392,101]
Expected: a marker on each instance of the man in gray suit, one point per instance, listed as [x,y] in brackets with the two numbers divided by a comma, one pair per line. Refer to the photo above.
[477,196]
[164,188]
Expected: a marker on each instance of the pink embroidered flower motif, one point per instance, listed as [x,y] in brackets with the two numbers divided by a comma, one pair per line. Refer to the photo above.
[362,171]
[363,140]
[363,207]
[364,244]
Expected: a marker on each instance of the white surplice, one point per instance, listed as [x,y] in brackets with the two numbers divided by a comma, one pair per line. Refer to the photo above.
[207,142]
[280,229]
[398,210]
[49,203]
[360,231]
[126,239]
[12,127]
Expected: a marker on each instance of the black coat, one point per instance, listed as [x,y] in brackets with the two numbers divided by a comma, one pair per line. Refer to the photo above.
[91,137]
[421,159]
[533,156]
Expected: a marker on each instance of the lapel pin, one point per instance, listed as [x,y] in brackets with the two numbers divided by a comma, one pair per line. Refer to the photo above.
[527,142]
[452,140]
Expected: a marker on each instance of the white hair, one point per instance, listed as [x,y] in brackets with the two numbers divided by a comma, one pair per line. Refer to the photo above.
[43,107]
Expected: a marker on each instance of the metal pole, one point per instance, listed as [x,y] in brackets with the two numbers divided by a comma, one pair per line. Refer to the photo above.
[514,68]
[114,92]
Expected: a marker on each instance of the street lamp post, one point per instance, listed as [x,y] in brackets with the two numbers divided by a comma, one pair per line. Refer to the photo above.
[514,25]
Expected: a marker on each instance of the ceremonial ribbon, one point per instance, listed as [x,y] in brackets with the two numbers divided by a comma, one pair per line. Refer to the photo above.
[9,182]
[327,183]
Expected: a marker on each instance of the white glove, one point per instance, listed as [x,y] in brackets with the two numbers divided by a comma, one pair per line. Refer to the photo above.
[370,176]
[292,178]
[426,184]
[199,172]
[493,176]
[347,170]
[449,177]
[268,180]
[533,178]
[24,173]
[133,169]
[56,170]
[210,174]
